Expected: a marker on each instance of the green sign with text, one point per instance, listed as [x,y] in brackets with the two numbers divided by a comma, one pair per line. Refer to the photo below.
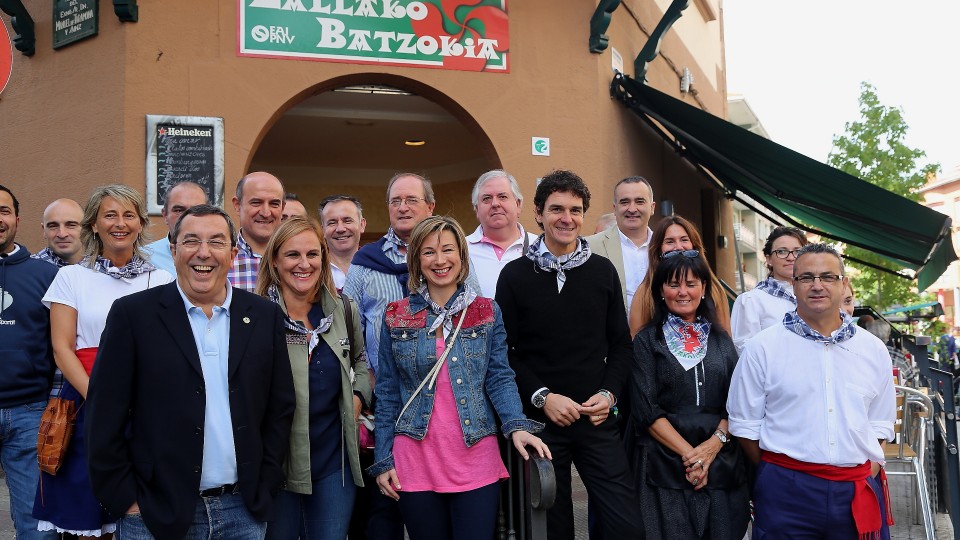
[73,20]
[467,35]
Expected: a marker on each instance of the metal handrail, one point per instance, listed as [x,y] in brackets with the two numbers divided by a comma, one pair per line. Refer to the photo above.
[916,399]
[526,498]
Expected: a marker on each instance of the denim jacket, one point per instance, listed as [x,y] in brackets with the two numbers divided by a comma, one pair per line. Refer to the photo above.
[480,374]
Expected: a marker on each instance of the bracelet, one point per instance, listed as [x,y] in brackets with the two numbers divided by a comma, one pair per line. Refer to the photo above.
[609,395]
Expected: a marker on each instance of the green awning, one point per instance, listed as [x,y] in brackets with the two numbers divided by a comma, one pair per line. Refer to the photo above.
[938,310]
[802,191]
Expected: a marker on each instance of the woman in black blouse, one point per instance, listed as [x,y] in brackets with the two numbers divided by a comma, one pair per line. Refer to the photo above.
[692,479]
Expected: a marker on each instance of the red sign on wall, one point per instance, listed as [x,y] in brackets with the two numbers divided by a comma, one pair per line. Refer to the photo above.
[6,57]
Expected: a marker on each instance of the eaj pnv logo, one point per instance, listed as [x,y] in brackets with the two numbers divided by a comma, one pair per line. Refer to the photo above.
[468,35]
[6,56]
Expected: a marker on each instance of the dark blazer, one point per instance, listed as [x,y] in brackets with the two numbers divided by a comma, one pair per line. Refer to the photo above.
[145,408]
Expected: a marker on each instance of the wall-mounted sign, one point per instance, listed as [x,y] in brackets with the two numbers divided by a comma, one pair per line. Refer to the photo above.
[183,149]
[467,36]
[540,146]
[74,20]
[6,57]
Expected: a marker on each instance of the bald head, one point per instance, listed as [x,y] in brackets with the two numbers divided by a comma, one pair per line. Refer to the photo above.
[259,203]
[61,229]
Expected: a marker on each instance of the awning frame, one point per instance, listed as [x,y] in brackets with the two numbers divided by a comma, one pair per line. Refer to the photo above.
[673,134]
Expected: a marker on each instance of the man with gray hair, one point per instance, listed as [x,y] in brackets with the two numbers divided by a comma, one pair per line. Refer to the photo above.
[626,244]
[181,196]
[500,238]
[342,219]
[812,402]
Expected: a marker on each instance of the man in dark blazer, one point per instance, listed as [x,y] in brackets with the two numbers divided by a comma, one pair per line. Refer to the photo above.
[191,398]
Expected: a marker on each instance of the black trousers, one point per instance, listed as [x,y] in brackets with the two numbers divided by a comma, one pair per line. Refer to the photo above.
[601,460]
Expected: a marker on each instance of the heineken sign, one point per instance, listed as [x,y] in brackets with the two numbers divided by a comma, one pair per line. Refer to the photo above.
[467,35]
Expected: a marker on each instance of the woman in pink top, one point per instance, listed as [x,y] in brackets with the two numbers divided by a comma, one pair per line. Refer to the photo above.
[443,373]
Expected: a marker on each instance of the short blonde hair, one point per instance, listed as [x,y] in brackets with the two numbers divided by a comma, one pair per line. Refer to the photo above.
[268,275]
[92,244]
[430,225]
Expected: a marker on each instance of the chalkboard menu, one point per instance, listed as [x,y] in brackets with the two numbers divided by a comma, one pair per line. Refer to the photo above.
[183,149]
[73,20]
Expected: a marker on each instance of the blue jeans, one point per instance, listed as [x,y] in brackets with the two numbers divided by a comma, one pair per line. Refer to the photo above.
[223,517]
[18,456]
[324,515]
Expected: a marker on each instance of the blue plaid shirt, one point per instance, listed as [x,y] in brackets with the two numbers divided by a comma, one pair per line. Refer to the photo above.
[372,291]
[47,254]
[243,275]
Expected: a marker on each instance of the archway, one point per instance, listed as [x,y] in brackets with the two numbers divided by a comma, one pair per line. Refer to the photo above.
[350,135]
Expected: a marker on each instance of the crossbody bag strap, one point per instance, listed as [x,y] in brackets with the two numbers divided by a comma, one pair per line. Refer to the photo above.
[435,370]
[348,318]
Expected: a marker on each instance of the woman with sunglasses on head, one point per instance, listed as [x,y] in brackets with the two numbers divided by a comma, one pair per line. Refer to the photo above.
[767,303]
[691,475]
[443,372]
[673,233]
[330,381]
[113,266]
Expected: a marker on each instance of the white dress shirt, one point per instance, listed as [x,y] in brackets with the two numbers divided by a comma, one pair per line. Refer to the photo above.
[487,259]
[636,262]
[756,310]
[339,276]
[815,402]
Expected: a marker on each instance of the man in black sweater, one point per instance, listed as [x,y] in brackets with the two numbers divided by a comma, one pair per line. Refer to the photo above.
[569,345]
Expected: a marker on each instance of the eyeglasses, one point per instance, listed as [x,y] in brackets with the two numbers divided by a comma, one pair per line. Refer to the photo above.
[193,244]
[784,253]
[410,201]
[688,253]
[808,279]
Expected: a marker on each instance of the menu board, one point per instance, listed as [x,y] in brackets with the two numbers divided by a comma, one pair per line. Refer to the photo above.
[183,149]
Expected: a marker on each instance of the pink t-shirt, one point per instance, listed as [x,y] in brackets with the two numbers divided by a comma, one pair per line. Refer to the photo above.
[442,462]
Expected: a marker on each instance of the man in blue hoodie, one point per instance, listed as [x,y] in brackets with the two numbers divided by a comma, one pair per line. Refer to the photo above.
[26,368]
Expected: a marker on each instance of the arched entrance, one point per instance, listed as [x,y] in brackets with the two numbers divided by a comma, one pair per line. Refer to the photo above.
[350,135]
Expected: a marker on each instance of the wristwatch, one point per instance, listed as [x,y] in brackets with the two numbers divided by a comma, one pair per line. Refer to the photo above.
[540,398]
[724,438]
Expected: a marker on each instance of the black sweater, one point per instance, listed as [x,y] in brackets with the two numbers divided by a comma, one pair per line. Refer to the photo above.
[574,342]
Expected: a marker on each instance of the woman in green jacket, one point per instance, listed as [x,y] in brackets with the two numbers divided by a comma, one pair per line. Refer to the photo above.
[325,344]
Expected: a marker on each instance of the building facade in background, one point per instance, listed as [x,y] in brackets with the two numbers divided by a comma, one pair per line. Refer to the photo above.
[335,96]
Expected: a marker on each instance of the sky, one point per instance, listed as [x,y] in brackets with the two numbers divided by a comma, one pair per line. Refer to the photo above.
[800,64]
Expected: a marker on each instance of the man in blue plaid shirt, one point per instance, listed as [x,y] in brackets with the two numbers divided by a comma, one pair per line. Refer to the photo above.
[259,202]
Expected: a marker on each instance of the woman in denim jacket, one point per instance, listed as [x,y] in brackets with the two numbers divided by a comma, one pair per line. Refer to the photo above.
[441,393]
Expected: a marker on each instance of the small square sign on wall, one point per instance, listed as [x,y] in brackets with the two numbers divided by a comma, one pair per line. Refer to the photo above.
[540,146]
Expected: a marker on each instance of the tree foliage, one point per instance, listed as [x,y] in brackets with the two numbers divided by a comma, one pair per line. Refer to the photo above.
[873,148]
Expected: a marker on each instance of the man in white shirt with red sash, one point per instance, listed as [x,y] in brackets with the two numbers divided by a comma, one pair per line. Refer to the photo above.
[812,401]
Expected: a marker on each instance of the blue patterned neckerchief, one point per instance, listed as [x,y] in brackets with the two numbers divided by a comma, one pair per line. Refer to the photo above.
[273,293]
[394,239]
[551,263]
[777,289]
[686,341]
[445,315]
[47,254]
[137,265]
[795,324]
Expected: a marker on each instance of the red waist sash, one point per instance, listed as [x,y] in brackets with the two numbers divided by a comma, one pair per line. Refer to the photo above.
[87,356]
[864,506]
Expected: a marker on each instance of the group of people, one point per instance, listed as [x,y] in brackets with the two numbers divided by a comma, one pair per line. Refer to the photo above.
[222,375]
